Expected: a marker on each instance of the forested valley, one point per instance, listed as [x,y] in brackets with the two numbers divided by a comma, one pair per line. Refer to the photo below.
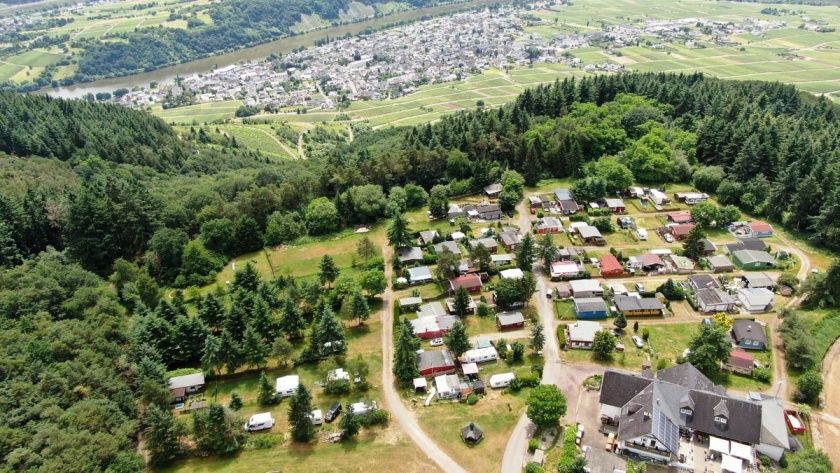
[102,207]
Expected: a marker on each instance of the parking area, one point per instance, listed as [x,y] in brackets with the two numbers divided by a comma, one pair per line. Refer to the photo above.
[588,412]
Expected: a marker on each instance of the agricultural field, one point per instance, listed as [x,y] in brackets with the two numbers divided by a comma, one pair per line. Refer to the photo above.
[808,59]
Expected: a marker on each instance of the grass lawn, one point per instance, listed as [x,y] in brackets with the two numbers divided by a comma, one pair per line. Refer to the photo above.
[496,413]
[565,309]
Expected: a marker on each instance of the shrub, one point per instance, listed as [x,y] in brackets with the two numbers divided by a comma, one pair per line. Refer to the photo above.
[661,364]
[377,417]
[645,334]
[472,399]
[263,442]
[762,374]
[534,468]
[516,385]
[533,444]
[336,387]
[530,380]
[561,336]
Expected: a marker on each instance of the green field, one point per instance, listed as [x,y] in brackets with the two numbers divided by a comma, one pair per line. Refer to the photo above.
[260,137]
[202,113]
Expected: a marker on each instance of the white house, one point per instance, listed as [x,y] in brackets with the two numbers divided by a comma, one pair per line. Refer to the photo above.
[755,299]
[581,334]
[586,288]
[287,385]
[447,386]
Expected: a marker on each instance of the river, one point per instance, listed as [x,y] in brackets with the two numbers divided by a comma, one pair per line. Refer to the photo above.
[279,46]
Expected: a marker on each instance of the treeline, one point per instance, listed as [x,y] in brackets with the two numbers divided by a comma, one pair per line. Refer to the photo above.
[236,24]
[34,125]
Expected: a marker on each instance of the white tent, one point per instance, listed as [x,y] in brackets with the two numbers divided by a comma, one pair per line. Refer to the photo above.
[719,445]
[740,450]
[731,464]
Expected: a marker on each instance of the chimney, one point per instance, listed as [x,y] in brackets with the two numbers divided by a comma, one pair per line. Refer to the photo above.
[646,416]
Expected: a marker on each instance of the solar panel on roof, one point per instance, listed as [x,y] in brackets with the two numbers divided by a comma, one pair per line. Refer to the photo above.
[666,431]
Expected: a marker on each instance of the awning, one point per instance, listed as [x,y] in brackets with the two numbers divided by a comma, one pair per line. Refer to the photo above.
[739,450]
[719,445]
[731,464]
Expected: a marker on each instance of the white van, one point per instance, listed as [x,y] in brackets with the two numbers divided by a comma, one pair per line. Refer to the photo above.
[501,380]
[261,421]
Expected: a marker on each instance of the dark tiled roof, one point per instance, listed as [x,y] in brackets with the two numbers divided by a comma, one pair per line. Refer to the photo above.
[617,388]
[434,359]
[745,329]
[743,417]
[624,303]
[686,375]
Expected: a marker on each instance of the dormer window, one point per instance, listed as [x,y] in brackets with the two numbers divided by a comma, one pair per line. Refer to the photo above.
[721,420]
[687,411]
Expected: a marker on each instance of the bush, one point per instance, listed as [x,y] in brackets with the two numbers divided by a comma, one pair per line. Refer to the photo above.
[516,385]
[661,364]
[336,387]
[533,444]
[578,218]
[645,334]
[530,380]
[561,336]
[534,468]
[377,417]
[762,374]
[472,399]
[263,441]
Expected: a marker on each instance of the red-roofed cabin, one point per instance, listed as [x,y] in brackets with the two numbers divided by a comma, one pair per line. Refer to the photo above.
[682,230]
[741,362]
[680,217]
[610,266]
[761,229]
[471,282]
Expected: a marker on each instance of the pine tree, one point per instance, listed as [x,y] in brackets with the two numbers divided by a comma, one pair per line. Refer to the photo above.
[235,402]
[282,349]
[212,312]
[217,431]
[620,321]
[462,302]
[365,249]
[537,338]
[693,246]
[246,279]
[190,336]
[300,409]
[456,339]
[212,359]
[547,251]
[328,271]
[162,434]
[231,351]
[359,307]
[398,233]
[405,356]
[525,253]
[255,350]
[263,320]
[266,395]
[329,336]
[291,322]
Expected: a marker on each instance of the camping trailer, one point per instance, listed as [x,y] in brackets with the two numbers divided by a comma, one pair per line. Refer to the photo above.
[287,385]
[480,355]
[501,380]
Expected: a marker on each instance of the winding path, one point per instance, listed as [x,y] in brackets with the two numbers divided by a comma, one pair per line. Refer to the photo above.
[395,405]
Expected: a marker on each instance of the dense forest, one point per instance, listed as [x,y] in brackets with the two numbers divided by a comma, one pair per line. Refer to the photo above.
[236,24]
[89,191]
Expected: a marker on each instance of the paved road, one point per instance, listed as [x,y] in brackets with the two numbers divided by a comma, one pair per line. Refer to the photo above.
[394,404]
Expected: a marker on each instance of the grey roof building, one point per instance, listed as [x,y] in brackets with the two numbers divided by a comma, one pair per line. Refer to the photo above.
[449,245]
[412,254]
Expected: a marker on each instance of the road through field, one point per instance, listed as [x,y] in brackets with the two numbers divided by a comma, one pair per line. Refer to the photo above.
[395,405]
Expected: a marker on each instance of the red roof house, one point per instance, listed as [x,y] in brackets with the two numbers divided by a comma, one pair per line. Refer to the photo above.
[610,266]
[682,230]
[435,362]
[760,229]
[741,362]
[470,282]
[680,217]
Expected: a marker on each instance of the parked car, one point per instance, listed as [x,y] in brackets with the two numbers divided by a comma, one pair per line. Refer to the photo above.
[640,287]
[637,340]
[333,412]
[436,342]
[669,238]
[610,442]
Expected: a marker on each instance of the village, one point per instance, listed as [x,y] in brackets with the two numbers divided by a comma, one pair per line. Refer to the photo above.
[394,62]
